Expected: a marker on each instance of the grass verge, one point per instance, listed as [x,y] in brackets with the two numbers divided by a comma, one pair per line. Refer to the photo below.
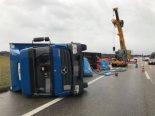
[4,73]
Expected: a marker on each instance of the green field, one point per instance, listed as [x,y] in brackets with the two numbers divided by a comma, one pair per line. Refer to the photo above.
[4,73]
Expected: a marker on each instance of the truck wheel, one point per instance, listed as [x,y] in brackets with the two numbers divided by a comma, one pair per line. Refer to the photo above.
[85,85]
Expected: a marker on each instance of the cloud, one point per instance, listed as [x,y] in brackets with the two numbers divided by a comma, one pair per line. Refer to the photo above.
[84,21]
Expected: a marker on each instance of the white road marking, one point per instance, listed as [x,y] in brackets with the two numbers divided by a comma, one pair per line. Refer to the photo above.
[148,77]
[42,107]
[38,109]
[95,80]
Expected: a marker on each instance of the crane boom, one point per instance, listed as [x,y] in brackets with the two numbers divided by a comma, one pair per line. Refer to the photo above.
[122,55]
[119,24]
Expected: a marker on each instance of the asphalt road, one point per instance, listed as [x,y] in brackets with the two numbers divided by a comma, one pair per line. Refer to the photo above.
[132,93]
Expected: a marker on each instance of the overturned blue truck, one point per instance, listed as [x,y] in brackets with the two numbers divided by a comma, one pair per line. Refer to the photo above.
[42,69]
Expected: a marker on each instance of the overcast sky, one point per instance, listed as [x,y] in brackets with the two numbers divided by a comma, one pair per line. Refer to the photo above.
[84,21]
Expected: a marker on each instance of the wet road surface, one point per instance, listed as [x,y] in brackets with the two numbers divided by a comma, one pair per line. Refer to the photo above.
[132,93]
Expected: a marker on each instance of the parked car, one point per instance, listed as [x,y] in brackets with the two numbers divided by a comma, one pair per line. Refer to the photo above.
[152,59]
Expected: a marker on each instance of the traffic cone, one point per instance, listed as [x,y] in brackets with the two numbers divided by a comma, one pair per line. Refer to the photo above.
[143,69]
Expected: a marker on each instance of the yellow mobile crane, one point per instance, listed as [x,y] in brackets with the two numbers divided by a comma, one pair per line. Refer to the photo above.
[122,55]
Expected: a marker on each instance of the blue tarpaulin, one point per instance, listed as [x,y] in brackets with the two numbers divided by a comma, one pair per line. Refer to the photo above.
[105,65]
[86,67]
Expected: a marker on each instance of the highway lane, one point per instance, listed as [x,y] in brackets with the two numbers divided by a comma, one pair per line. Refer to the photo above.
[149,88]
[15,104]
[129,94]
[125,95]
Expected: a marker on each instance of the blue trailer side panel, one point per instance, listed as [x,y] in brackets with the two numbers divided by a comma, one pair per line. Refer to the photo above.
[14,60]
[25,73]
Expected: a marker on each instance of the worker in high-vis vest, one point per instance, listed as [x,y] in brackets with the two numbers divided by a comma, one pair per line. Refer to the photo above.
[98,64]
